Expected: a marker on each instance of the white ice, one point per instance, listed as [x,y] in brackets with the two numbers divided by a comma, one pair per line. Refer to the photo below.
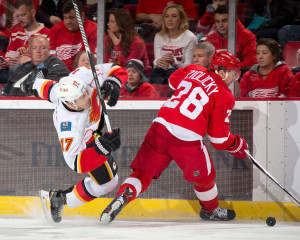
[89,229]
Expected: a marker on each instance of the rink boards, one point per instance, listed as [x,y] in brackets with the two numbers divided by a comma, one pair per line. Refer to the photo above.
[31,160]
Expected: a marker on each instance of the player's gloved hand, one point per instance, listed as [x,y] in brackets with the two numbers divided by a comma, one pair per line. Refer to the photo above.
[111,88]
[27,84]
[239,147]
[108,142]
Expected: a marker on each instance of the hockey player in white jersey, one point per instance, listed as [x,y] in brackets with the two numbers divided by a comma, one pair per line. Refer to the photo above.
[78,120]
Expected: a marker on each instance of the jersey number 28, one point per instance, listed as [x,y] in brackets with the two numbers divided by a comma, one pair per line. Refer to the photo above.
[186,107]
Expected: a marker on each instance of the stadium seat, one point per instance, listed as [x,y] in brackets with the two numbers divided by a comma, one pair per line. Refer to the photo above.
[131,8]
[150,51]
[289,54]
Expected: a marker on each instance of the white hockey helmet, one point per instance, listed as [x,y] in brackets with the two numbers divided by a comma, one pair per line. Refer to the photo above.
[69,89]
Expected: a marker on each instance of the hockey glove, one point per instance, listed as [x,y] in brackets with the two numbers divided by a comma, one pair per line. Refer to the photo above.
[239,147]
[108,142]
[111,89]
[27,84]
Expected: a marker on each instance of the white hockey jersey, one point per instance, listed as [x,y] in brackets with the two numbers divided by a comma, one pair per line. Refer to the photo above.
[75,128]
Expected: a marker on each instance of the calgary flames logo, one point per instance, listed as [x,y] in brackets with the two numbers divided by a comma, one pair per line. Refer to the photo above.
[95,111]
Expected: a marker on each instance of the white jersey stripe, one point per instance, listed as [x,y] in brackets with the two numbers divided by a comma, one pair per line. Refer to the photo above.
[208,195]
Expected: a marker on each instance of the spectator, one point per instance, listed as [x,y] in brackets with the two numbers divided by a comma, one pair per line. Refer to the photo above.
[17,50]
[297,69]
[137,84]
[206,23]
[173,45]
[122,43]
[266,17]
[39,51]
[49,12]
[109,4]
[65,36]
[7,17]
[81,60]
[290,33]
[3,64]
[270,77]
[294,88]
[245,40]
[150,16]
[203,53]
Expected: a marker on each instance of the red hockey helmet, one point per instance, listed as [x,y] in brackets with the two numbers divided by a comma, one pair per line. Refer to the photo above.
[227,60]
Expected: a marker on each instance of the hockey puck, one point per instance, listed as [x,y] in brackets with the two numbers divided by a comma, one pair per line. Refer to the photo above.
[271,221]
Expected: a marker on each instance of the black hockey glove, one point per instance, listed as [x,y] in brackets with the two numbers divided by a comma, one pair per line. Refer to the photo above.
[111,88]
[108,142]
[27,84]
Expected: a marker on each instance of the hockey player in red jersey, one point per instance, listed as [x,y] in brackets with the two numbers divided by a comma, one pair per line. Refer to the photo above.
[201,104]
[78,120]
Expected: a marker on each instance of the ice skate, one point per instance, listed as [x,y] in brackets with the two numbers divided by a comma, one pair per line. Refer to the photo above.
[219,214]
[53,203]
[113,209]
[57,203]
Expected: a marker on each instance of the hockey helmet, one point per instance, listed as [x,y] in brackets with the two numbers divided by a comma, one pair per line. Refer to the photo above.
[69,89]
[227,60]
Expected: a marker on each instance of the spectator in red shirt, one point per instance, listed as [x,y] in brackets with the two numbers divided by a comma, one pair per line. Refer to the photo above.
[137,85]
[206,23]
[122,43]
[245,39]
[17,51]
[7,17]
[65,36]
[270,77]
[152,12]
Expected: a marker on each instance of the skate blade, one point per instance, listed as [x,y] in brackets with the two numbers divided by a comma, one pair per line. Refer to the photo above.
[44,196]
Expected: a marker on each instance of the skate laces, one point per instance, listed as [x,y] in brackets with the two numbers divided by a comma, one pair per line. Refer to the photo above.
[119,202]
[220,212]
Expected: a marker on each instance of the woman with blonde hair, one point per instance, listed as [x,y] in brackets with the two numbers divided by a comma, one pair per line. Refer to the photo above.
[173,45]
[122,43]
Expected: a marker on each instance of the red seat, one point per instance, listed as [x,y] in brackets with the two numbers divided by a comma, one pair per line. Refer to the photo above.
[131,8]
[289,54]
[150,51]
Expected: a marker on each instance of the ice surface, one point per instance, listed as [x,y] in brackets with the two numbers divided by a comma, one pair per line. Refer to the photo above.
[89,228]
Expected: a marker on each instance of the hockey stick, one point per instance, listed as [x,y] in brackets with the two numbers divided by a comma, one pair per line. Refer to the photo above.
[273,179]
[91,60]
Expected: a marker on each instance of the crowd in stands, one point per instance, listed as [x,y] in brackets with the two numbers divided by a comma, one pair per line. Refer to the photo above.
[174,33]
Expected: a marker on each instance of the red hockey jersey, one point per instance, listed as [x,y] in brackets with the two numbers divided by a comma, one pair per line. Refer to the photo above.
[19,41]
[201,103]
[275,84]
[66,45]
